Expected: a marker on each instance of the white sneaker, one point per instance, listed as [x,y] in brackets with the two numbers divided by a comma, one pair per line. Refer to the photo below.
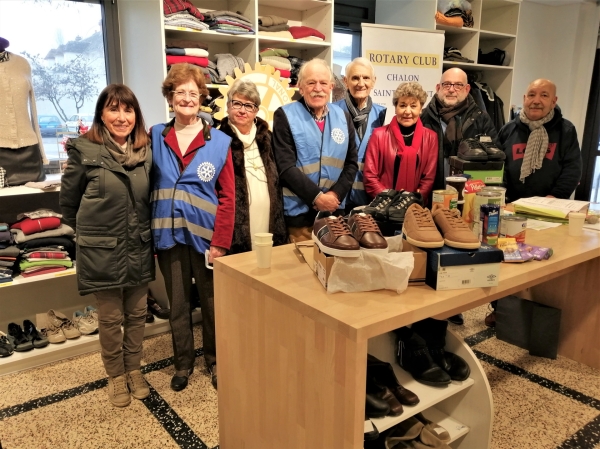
[85,322]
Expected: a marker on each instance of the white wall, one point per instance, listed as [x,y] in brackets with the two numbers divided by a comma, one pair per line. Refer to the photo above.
[558,43]
[407,13]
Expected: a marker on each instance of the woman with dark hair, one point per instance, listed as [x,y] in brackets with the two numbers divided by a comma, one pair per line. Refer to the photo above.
[258,196]
[105,196]
[193,210]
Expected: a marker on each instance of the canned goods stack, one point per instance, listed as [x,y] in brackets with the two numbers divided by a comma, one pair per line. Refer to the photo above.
[489,223]
[513,227]
[447,198]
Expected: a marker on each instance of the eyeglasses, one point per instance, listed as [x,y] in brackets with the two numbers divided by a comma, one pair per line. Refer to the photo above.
[457,86]
[183,94]
[249,107]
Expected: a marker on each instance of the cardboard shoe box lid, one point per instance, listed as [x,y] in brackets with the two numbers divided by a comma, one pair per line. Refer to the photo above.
[463,165]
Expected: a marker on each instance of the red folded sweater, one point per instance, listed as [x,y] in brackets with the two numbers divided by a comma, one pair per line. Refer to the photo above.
[29,226]
[300,32]
[202,62]
[284,73]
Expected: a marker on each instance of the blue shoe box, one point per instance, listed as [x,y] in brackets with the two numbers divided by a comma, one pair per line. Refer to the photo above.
[450,268]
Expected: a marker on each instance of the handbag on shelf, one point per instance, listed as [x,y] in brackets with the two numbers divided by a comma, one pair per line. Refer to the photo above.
[494,57]
[22,165]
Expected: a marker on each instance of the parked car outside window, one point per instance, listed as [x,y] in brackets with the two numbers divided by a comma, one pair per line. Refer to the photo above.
[50,124]
[73,121]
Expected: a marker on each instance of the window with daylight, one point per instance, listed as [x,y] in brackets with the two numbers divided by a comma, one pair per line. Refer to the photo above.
[346,47]
[67,56]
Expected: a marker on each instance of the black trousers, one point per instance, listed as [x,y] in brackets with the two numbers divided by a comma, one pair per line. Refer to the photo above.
[179,265]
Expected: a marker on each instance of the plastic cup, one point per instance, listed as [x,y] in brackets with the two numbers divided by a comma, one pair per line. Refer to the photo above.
[263,237]
[576,220]
[263,254]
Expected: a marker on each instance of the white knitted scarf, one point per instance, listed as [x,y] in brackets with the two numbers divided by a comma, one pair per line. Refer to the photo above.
[537,144]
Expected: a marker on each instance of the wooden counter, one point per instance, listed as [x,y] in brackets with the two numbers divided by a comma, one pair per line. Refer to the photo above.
[292,357]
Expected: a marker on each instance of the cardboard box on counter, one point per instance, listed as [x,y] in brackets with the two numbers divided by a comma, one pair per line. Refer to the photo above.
[451,269]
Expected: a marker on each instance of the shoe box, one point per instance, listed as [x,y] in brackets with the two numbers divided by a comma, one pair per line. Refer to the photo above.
[450,268]
[490,172]
[324,262]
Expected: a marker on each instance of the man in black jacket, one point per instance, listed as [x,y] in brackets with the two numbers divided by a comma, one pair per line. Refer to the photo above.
[453,114]
[542,152]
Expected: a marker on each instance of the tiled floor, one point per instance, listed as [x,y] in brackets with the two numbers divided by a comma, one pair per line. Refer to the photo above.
[539,403]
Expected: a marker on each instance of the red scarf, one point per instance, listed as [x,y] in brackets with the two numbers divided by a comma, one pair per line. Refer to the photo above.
[407,175]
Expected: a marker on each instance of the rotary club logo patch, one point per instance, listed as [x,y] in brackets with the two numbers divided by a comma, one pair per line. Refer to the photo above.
[338,135]
[206,171]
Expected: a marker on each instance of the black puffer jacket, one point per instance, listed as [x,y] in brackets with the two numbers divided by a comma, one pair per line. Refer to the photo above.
[242,240]
[109,207]
[561,168]
[472,123]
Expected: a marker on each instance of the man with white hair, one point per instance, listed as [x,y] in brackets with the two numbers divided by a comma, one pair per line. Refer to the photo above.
[315,150]
[360,79]
[542,152]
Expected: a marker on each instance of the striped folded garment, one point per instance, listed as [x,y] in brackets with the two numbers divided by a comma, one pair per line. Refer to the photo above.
[46,255]
[36,271]
[186,21]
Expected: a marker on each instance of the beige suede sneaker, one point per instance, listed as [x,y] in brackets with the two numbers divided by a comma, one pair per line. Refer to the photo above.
[137,384]
[118,394]
[419,228]
[455,231]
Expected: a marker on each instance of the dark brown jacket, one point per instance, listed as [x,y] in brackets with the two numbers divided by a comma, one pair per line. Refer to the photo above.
[241,235]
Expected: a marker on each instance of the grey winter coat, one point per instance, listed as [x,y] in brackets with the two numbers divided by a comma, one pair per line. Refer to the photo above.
[109,207]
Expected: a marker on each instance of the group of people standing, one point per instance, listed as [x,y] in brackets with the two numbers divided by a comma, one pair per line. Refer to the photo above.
[190,193]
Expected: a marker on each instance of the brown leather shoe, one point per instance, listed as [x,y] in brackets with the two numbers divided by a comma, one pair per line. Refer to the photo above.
[455,231]
[404,396]
[367,233]
[490,319]
[395,406]
[333,236]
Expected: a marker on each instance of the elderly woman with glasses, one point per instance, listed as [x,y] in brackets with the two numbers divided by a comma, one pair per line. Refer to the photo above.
[193,209]
[258,197]
[366,116]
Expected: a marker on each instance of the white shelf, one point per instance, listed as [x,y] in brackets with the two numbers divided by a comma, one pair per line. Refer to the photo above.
[282,42]
[481,67]
[489,35]
[20,361]
[20,280]
[455,30]
[208,35]
[429,396]
[297,5]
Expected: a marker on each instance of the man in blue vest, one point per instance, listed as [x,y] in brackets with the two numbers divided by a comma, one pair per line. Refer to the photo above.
[366,116]
[315,149]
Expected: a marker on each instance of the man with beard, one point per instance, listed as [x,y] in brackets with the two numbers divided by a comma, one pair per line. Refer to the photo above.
[315,150]
[453,114]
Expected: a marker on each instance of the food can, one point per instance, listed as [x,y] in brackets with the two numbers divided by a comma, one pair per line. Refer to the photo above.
[489,220]
[447,198]
[513,227]
[500,191]
[485,197]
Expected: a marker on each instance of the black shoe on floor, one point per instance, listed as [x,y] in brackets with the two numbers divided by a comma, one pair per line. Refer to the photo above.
[180,380]
[457,319]
[149,316]
[18,338]
[213,375]
[156,310]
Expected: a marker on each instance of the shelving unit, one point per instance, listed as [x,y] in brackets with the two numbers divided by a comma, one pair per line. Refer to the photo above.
[144,64]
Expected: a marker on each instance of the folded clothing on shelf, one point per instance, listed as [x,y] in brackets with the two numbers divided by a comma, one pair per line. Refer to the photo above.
[3,226]
[271,20]
[36,271]
[10,251]
[5,236]
[185,20]
[25,265]
[215,14]
[5,275]
[185,43]
[226,64]
[454,54]
[278,62]
[202,62]
[175,6]
[30,226]
[274,52]
[62,243]
[284,27]
[230,29]
[231,23]
[278,34]
[62,230]
[300,32]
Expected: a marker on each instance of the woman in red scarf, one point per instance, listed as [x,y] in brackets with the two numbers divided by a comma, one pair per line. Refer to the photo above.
[403,154]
